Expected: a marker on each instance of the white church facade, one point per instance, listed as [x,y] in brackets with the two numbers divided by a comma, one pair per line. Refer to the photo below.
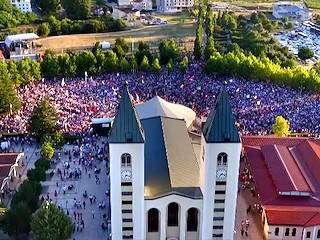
[169,181]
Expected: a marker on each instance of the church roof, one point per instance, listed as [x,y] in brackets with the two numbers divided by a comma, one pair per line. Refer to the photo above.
[158,107]
[170,162]
[126,127]
[220,125]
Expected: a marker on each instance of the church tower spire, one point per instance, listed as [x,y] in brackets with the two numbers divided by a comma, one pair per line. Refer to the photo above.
[126,127]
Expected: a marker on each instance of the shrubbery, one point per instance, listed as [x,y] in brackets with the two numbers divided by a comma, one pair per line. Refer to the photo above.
[68,26]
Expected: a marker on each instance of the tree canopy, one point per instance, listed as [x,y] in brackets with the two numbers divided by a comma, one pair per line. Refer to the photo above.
[281,127]
[44,119]
[50,223]
[77,9]
[305,53]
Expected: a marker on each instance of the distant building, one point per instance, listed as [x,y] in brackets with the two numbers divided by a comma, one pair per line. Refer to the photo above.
[173,5]
[286,177]
[23,5]
[290,10]
[142,5]
[168,182]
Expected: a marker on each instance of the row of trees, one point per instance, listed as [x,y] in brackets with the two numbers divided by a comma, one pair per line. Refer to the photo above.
[75,9]
[24,214]
[54,26]
[251,67]
[12,75]
[117,59]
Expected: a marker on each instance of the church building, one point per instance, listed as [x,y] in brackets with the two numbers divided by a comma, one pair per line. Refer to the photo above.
[170,177]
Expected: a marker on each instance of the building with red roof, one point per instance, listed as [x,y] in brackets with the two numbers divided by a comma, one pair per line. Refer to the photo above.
[9,162]
[286,173]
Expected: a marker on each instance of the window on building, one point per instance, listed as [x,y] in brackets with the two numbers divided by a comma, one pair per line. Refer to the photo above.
[153,220]
[286,233]
[222,159]
[276,231]
[126,160]
[308,235]
[318,233]
[294,232]
[173,214]
[192,220]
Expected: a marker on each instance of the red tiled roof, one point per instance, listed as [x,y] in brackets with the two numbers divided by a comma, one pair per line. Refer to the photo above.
[8,158]
[282,166]
[296,218]
[4,170]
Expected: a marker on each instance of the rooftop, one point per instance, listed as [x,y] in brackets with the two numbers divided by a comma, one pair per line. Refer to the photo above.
[286,176]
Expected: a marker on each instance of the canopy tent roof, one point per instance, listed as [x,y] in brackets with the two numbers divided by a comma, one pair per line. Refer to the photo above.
[158,107]
[20,37]
[105,45]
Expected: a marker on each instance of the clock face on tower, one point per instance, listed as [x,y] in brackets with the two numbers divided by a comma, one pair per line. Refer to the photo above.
[126,175]
[221,174]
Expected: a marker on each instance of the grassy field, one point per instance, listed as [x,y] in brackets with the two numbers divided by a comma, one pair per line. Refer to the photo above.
[313,3]
[150,34]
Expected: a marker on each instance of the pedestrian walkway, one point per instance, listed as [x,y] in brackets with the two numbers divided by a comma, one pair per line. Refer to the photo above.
[68,193]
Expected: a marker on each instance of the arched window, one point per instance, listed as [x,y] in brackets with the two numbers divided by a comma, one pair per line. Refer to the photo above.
[192,220]
[318,234]
[153,220]
[222,159]
[294,232]
[287,232]
[173,214]
[276,231]
[126,160]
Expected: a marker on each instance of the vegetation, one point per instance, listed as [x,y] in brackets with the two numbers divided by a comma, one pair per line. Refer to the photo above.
[77,9]
[184,64]
[68,26]
[263,69]
[50,222]
[305,53]
[44,119]
[47,150]
[281,127]
[12,17]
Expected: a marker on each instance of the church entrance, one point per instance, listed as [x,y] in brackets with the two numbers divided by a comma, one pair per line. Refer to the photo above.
[153,231]
[173,229]
[192,232]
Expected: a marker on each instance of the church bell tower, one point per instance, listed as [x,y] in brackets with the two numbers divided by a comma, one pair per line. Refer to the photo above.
[126,147]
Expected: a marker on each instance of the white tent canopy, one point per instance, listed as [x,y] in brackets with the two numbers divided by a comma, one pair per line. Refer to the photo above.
[105,45]
[159,107]
[20,37]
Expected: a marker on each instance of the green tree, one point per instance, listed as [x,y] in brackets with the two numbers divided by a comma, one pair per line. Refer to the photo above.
[44,119]
[156,67]
[49,7]
[14,73]
[168,50]
[47,150]
[16,220]
[281,127]
[144,66]
[121,42]
[305,53]
[55,25]
[66,65]
[50,65]
[124,65]
[210,49]
[49,223]
[36,174]
[9,100]
[170,66]
[111,61]
[86,62]
[197,51]
[143,50]
[77,9]
[184,64]
[43,29]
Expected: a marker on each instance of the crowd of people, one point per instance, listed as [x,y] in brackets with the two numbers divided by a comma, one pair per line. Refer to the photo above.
[255,104]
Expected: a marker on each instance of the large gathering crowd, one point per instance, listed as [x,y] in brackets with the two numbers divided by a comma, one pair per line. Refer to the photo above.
[255,104]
